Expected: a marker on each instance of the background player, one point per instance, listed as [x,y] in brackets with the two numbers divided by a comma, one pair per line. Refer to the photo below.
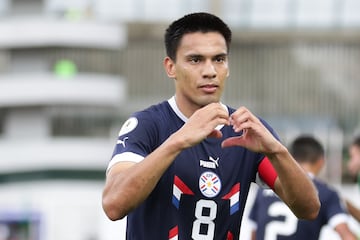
[272,219]
[182,168]
[354,162]
[353,167]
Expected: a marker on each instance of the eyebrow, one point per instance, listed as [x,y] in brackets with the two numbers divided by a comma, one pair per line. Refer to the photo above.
[221,55]
[202,56]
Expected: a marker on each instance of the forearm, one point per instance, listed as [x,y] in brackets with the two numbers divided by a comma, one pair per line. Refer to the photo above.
[127,187]
[354,211]
[253,235]
[293,185]
[344,231]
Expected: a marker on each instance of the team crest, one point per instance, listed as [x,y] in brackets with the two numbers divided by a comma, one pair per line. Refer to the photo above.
[128,126]
[209,184]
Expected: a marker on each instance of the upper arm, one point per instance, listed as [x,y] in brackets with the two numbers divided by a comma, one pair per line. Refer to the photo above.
[278,189]
[253,235]
[119,167]
[269,176]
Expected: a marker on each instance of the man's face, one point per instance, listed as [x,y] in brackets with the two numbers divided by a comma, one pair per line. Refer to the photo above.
[200,70]
[354,152]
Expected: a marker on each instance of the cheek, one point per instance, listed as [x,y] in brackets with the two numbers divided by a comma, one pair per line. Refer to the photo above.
[187,76]
[182,72]
[223,71]
[184,82]
[223,76]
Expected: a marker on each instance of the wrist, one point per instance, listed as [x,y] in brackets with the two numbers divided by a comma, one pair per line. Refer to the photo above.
[277,152]
[176,143]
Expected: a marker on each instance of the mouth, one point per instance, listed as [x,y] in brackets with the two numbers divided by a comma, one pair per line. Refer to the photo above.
[209,88]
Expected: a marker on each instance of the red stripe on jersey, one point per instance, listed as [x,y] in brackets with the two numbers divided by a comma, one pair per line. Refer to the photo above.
[182,186]
[267,172]
[235,189]
[173,232]
[229,236]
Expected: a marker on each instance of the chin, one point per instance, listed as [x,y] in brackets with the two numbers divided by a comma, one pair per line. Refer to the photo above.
[208,99]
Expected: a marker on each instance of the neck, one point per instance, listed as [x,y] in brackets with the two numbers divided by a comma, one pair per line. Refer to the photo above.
[309,168]
[186,109]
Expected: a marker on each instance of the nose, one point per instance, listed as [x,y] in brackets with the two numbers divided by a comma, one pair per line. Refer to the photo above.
[209,70]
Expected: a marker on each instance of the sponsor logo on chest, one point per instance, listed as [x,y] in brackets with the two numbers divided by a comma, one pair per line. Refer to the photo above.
[211,163]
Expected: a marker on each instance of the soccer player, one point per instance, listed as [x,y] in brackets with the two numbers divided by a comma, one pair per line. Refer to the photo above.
[181,169]
[354,170]
[272,219]
[354,163]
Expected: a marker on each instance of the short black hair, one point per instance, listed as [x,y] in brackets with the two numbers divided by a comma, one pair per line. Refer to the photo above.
[306,148]
[190,23]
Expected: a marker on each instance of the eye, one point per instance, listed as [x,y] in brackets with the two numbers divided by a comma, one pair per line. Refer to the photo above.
[195,59]
[220,59]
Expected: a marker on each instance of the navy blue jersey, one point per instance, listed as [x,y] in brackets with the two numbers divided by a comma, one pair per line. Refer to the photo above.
[202,194]
[273,220]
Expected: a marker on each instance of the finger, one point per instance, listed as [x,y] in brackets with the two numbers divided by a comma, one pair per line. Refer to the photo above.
[220,112]
[242,126]
[216,111]
[238,119]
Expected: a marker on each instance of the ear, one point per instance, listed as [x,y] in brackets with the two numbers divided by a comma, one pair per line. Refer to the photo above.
[320,163]
[169,66]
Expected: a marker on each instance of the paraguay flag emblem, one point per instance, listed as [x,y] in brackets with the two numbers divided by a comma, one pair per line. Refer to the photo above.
[209,184]
[179,188]
[233,196]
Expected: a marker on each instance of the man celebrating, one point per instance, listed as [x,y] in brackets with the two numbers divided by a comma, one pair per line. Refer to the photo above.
[186,166]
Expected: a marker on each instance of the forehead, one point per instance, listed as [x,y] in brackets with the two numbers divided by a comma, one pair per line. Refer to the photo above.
[202,43]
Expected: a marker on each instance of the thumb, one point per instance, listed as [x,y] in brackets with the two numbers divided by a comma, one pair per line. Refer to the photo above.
[215,134]
[232,141]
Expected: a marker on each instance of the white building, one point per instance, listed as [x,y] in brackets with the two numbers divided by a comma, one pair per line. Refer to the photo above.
[57,106]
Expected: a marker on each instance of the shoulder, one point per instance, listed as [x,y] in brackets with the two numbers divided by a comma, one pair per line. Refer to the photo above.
[321,185]
[153,115]
[145,120]
[153,111]
[326,192]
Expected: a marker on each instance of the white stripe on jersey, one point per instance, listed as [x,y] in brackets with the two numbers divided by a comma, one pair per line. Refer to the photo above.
[124,157]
